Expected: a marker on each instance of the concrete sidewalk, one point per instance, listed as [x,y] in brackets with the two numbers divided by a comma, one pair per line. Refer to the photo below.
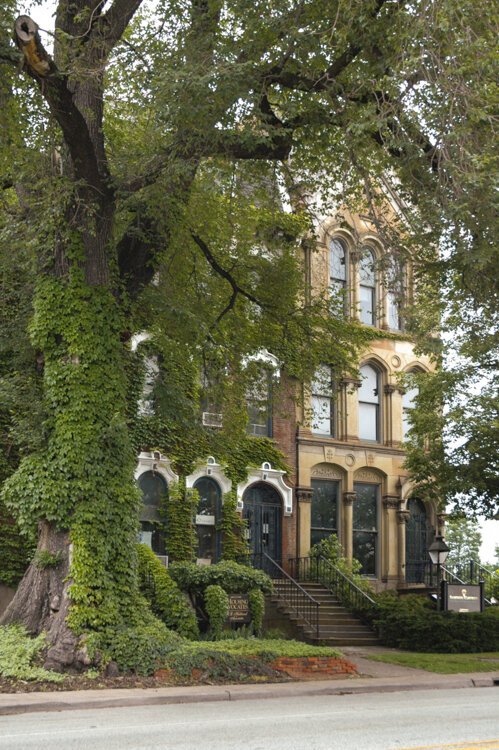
[373,677]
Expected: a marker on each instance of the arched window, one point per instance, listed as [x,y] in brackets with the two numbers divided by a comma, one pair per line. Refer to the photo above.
[338,270]
[395,291]
[369,401]
[208,514]
[154,492]
[408,404]
[365,527]
[367,279]
[322,402]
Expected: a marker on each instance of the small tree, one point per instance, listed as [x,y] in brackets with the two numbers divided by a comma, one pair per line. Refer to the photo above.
[464,539]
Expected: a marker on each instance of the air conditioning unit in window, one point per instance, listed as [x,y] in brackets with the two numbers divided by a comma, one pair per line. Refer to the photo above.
[163,560]
[211,419]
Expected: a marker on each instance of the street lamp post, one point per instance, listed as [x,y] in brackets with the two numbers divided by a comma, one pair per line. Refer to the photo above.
[438,551]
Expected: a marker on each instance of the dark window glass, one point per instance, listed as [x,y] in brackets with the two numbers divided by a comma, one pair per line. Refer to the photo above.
[365,526]
[209,496]
[210,501]
[324,509]
[154,492]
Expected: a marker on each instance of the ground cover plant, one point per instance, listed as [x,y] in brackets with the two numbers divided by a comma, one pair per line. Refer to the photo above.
[441,663]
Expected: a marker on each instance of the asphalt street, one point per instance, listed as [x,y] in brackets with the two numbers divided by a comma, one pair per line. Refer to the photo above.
[447,719]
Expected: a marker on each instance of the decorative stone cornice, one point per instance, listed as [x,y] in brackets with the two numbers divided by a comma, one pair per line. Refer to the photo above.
[403,516]
[391,502]
[349,498]
[303,495]
[354,382]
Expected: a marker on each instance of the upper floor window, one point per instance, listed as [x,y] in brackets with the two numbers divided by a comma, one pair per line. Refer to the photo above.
[395,291]
[369,403]
[338,270]
[367,291]
[258,404]
[408,404]
[322,402]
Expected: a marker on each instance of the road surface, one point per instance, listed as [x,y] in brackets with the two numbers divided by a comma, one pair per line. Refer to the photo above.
[447,719]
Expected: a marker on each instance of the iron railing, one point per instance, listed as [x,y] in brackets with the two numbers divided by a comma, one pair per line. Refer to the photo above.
[322,571]
[470,571]
[289,591]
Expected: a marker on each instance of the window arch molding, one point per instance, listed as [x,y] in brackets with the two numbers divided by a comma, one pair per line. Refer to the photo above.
[267,475]
[214,471]
[158,464]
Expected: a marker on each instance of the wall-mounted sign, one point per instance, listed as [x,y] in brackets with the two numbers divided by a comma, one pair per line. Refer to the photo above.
[461,597]
[239,610]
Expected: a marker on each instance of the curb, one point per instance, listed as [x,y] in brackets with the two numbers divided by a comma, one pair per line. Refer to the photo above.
[19,703]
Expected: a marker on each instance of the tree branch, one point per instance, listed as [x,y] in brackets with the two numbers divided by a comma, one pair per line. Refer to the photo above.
[111,26]
[55,89]
[225,274]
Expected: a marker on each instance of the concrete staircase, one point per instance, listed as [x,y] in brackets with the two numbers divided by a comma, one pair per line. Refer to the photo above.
[337,626]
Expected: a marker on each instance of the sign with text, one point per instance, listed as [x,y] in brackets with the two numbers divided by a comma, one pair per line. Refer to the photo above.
[462,597]
[239,609]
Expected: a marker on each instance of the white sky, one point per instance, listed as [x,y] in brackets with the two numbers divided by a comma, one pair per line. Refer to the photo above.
[42,13]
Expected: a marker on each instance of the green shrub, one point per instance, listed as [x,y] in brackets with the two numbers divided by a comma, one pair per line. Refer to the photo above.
[257,609]
[138,649]
[180,529]
[17,653]
[216,602]
[233,577]
[410,623]
[164,596]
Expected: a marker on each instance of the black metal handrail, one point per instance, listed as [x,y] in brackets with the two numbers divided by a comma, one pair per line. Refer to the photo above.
[289,590]
[344,588]
[470,571]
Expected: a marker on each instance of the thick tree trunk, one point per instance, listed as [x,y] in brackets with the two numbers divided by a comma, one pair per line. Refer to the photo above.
[41,602]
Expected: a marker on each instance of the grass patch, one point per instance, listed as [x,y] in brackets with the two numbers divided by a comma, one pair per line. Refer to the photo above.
[442,663]
[261,647]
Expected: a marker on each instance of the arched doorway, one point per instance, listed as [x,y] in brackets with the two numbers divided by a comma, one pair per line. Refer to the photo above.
[262,512]
[418,537]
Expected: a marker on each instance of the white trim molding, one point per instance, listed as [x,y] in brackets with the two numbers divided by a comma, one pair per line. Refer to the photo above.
[271,476]
[210,469]
[156,462]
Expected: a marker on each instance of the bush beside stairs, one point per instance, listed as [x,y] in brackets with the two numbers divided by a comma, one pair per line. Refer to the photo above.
[337,625]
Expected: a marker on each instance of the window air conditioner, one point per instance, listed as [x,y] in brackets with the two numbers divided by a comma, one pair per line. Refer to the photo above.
[211,419]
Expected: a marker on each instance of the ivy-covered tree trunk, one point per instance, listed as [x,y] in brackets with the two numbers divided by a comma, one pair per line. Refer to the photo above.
[80,485]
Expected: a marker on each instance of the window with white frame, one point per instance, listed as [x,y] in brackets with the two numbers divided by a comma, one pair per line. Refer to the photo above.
[369,404]
[323,402]
[395,291]
[338,271]
[258,404]
[409,399]
[367,288]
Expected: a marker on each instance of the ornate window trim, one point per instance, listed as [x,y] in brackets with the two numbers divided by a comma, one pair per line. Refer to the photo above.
[214,471]
[271,476]
[156,462]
